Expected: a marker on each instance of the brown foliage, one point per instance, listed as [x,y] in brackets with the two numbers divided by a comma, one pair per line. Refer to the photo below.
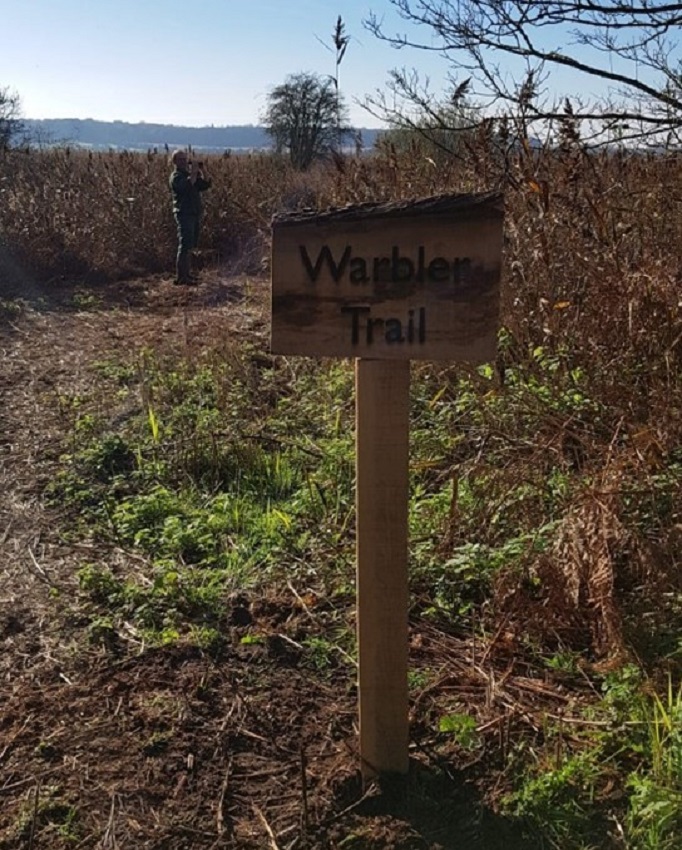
[592,271]
[591,242]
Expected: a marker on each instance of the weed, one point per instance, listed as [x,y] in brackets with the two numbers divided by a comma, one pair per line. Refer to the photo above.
[123,374]
[463,729]
[654,819]
[418,679]
[44,813]
[564,661]
[108,457]
[86,300]
[156,744]
[10,309]
[638,757]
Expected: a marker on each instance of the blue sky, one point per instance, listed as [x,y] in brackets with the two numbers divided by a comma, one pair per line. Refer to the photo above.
[194,63]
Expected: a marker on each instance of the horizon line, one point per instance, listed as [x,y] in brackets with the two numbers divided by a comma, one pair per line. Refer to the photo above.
[170,124]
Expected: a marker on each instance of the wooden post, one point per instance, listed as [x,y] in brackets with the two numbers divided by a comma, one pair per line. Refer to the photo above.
[382,436]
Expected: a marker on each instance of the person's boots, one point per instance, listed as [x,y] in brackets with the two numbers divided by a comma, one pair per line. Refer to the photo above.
[183,276]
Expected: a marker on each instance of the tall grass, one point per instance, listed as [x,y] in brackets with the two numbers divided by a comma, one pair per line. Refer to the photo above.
[591,244]
[66,213]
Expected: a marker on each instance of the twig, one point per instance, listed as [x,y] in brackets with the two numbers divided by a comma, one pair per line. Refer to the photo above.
[372,791]
[5,789]
[11,741]
[108,841]
[39,571]
[34,816]
[342,652]
[220,817]
[18,329]
[271,835]
[290,642]
[597,724]
[5,533]
[261,774]
[253,735]
[301,601]
[305,820]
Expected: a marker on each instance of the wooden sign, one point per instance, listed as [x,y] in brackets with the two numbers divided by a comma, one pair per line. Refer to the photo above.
[403,281]
[381,283]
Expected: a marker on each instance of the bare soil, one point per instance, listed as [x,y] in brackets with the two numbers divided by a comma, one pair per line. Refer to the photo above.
[172,747]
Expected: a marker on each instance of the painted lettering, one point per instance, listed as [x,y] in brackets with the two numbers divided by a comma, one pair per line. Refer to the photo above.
[382,266]
[335,269]
[358,270]
[439,270]
[396,268]
[355,311]
[394,330]
[402,268]
[371,324]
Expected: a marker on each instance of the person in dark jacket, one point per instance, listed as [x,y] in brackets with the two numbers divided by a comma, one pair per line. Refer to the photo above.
[187,182]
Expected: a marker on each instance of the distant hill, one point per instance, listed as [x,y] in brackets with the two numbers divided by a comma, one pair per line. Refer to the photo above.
[89,133]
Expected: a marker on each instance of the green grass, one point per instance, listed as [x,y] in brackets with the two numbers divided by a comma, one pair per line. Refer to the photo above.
[235,472]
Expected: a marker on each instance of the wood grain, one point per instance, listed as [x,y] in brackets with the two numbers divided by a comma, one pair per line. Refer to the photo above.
[355,282]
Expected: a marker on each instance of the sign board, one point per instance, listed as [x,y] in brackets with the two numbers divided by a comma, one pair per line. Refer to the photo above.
[412,280]
[387,282]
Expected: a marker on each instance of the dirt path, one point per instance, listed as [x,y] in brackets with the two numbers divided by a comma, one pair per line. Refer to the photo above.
[48,345]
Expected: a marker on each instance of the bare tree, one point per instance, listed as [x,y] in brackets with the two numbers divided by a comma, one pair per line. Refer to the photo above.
[628,48]
[304,118]
[11,126]
[412,110]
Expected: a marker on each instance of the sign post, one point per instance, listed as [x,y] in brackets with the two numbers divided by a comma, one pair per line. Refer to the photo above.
[386,284]
[382,433]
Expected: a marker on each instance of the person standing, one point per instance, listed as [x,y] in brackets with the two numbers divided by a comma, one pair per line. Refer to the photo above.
[187,182]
